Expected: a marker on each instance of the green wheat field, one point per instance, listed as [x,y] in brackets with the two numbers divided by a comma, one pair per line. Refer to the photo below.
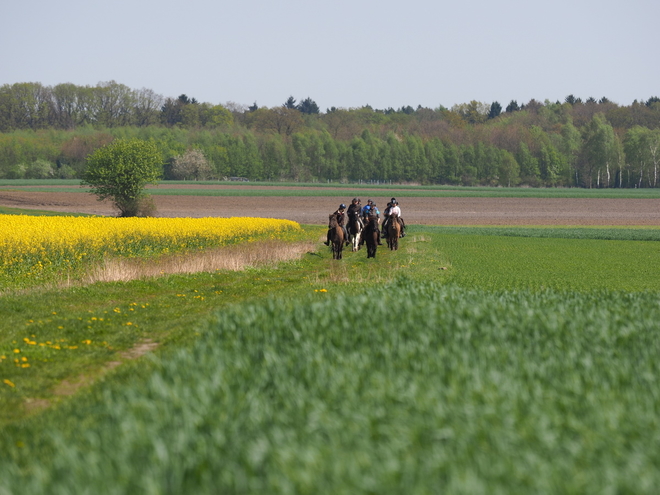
[472,361]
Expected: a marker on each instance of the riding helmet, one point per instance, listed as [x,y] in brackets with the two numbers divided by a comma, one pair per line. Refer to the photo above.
[342,206]
[393,200]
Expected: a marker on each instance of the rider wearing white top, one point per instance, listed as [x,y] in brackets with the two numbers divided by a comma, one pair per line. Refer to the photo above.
[394,209]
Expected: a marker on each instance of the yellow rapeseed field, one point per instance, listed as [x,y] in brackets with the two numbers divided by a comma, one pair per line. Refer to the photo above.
[31,247]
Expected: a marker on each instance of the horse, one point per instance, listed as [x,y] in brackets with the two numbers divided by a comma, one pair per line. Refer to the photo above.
[393,232]
[371,236]
[336,237]
[355,228]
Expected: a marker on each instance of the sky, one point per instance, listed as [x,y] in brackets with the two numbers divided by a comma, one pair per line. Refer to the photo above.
[340,53]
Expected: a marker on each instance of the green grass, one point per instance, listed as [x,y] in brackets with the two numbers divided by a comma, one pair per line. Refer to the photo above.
[562,259]
[611,233]
[338,189]
[43,213]
[473,360]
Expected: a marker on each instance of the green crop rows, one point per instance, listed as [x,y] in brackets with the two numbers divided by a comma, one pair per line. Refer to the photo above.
[483,361]
[411,388]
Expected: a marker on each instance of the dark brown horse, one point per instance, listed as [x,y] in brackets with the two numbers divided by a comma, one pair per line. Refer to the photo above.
[370,235]
[336,237]
[393,232]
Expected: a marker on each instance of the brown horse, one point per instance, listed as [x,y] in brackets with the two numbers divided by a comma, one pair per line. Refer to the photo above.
[393,232]
[370,235]
[336,237]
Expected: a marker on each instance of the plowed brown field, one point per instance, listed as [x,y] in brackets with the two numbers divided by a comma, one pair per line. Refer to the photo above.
[315,210]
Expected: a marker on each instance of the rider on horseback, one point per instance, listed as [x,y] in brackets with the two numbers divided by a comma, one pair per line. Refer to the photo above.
[341,222]
[393,209]
[372,216]
[365,210]
[354,209]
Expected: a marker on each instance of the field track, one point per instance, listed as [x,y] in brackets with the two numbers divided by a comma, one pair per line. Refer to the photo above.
[315,210]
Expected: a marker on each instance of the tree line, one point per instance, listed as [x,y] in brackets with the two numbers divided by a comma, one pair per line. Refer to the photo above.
[50,131]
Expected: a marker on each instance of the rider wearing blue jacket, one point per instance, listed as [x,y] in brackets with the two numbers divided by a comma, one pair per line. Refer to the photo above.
[371,210]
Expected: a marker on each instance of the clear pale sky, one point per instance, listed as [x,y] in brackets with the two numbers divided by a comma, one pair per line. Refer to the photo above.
[342,53]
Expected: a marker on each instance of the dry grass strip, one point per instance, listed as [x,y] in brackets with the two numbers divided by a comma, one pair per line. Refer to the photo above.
[235,258]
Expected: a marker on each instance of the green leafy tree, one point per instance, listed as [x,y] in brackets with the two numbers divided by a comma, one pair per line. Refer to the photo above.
[121,170]
[570,146]
[551,165]
[274,153]
[601,151]
[529,165]
[254,163]
[331,157]
[642,151]
[509,170]
[453,163]
[435,153]
[215,116]
[40,169]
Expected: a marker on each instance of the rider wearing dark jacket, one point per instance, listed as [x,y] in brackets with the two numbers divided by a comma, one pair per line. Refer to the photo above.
[354,209]
[339,214]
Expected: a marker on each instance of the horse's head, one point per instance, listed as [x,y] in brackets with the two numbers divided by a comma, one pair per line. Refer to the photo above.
[355,220]
[332,222]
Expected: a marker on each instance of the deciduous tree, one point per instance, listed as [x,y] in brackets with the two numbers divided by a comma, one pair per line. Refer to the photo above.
[121,170]
[192,165]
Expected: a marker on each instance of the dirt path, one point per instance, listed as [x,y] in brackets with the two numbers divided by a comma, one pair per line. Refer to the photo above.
[315,210]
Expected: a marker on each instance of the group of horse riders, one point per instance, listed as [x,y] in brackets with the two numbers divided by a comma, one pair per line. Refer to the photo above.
[362,214]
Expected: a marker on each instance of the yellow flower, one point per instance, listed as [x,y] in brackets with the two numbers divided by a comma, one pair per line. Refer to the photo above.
[40,244]
[8,382]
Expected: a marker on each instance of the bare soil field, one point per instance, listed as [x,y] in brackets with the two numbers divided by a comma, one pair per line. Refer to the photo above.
[315,210]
